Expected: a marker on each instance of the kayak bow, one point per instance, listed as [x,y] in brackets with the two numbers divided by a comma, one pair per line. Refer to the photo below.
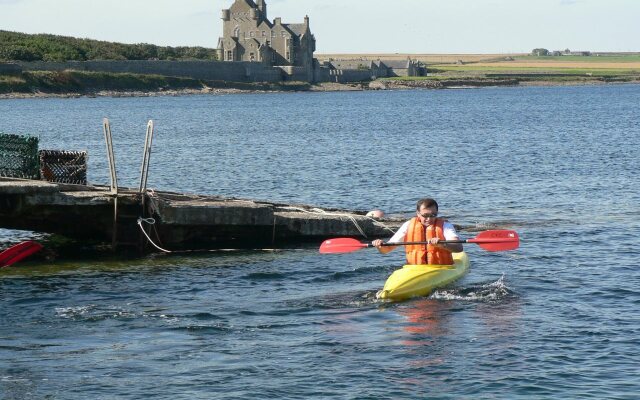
[420,280]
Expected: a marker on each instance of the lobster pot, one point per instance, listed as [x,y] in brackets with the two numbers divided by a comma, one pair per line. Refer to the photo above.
[64,166]
[18,156]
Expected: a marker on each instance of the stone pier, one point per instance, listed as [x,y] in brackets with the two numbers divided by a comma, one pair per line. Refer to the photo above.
[174,221]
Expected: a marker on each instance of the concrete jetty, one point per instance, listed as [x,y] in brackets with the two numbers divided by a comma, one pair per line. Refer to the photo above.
[173,221]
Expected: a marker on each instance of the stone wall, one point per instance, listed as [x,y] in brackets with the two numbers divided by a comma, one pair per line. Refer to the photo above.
[219,70]
[206,70]
[325,74]
[299,74]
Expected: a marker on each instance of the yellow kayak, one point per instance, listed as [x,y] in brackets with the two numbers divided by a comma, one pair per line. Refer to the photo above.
[420,280]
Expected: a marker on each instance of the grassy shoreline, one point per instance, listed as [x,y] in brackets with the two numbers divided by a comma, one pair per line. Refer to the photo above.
[83,83]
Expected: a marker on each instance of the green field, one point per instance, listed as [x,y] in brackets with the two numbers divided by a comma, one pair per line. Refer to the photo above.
[534,70]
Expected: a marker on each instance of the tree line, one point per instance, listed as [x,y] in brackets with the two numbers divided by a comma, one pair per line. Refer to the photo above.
[16,46]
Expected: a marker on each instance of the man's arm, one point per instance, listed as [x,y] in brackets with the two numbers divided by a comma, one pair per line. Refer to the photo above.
[399,236]
[451,234]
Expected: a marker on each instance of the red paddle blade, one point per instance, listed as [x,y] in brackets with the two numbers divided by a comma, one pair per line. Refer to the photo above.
[18,252]
[501,240]
[341,245]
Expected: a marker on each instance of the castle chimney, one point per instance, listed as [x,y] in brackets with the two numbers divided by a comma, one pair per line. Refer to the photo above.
[262,6]
[306,20]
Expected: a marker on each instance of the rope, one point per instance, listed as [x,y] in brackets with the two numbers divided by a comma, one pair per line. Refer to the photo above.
[150,221]
[153,208]
[350,216]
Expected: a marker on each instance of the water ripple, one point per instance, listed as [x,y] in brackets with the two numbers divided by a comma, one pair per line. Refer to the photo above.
[555,319]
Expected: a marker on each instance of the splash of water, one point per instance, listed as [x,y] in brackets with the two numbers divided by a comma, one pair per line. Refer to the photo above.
[484,292]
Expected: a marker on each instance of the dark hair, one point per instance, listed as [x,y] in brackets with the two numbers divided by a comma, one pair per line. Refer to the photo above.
[427,202]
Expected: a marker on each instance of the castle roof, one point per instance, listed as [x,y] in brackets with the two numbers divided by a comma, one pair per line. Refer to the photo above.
[397,64]
[232,42]
[298,29]
[350,64]
[253,41]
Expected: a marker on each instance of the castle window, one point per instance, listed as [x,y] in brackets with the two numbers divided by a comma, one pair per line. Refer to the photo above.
[264,34]
[284,34]
[273,34]
[252,34]
[288,55]
[252,56]
[229,55]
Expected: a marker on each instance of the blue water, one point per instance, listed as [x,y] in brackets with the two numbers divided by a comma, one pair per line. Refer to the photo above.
[557,318]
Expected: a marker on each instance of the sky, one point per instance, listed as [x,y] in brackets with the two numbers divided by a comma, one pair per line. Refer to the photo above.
[351,26]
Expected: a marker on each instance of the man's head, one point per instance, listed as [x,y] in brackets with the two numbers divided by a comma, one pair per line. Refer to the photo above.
[427,211]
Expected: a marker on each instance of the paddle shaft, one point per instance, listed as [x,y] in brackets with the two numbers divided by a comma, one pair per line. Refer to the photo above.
[412,243]
[487,240]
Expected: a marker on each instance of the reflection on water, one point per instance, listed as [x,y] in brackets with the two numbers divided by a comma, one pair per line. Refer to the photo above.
[425,317]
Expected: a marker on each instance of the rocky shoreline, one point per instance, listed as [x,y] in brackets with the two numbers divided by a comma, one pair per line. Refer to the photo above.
[387,84]
[324,87]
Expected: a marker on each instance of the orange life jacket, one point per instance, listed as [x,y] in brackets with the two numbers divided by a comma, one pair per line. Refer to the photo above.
[419,254]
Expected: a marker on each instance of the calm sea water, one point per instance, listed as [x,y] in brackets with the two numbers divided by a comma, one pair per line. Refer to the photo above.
[557,318]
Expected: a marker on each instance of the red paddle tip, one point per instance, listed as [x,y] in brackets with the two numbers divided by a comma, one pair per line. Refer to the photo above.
[497,240]
[341,245]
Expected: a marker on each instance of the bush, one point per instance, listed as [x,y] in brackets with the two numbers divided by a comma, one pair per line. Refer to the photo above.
[19,52]
[24,47]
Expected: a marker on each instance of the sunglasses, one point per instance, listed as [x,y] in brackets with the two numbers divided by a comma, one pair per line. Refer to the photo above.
[427,215]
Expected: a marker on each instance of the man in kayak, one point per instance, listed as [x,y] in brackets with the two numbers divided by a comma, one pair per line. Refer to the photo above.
[425,227]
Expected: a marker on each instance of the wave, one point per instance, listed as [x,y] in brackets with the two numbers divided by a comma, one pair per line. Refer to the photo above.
[265,276]
[484,292]
[95,313]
